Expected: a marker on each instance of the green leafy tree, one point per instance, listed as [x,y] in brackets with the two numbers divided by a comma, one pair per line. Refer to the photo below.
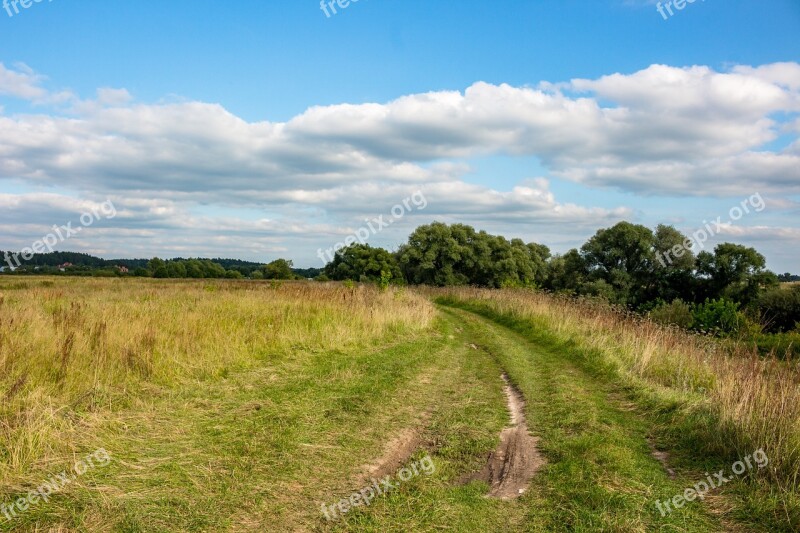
[176,269]
[438,254]
[361,262]
[278,269]
[194,269]
[622,256]
[154,265]
[673,269]
[567,273]
[735,272]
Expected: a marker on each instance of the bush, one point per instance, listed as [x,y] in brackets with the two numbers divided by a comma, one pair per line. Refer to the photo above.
[780,309]
[783,345]
[719,317]
[677,313]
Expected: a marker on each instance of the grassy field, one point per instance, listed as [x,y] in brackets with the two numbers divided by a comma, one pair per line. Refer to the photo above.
[250,406]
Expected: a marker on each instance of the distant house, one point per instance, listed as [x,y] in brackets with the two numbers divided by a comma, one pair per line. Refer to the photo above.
[122,269]
[64,267]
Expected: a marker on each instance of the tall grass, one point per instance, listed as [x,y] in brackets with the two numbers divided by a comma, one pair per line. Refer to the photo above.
[742,401]
[73,348]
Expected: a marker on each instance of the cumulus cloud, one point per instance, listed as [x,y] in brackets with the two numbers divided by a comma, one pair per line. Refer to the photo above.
[624,131]
[691,131]
[21,83]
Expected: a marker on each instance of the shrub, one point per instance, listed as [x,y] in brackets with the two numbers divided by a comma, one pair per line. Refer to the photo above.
[718,316]
[783,345]
[677,313]
[780,309]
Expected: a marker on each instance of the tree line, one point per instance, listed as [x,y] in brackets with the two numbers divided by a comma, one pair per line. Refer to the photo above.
[724,290]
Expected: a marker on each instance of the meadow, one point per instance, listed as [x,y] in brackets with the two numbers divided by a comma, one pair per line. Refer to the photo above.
[256,405]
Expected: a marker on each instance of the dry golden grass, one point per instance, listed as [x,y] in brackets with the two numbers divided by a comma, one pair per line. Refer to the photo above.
[755,401]
[72,346]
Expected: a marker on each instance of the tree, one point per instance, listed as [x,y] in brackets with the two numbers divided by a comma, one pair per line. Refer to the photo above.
[194,269]
[176,269]
[673,269]
[278,269]
[154,264]
[733,271]
[567,273]
[622,256]
[361,262]
[438,254]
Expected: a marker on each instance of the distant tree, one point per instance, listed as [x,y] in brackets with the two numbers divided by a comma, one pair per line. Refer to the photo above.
[735,272]
[278,269]
[438,254]
[154,264]
[361,262]
[673,268]
[194,269]
[308,272]
[567,273]
[234,274]
[176,269]
[622,256]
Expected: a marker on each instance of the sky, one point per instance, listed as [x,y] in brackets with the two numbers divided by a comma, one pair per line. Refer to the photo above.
[263,129]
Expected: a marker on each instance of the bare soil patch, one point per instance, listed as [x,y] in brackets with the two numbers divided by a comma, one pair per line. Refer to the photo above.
[396,452]
[516,460]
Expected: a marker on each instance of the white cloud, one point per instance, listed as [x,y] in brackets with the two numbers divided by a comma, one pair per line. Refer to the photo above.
[21,83]
[663,130]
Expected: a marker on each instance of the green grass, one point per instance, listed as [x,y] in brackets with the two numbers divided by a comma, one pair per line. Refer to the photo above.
[600,475]
[261,444]
[268,446]
[601,429]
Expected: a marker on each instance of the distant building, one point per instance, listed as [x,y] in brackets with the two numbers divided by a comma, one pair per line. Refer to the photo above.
[64,267]
[122,269]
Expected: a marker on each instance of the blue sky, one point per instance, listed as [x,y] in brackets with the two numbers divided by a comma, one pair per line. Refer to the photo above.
[126,100]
